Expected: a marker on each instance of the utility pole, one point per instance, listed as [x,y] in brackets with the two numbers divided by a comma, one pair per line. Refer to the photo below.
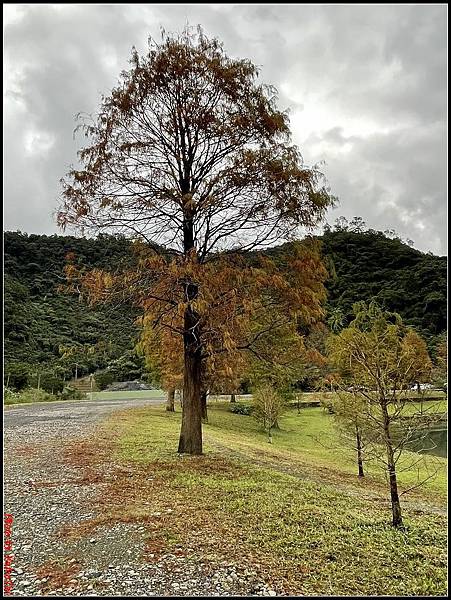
[76,371]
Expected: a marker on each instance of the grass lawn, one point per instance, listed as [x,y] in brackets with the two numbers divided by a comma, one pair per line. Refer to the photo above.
[308,440]
[294,508]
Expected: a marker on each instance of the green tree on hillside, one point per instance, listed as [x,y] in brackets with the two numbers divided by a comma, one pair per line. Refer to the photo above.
[379,357]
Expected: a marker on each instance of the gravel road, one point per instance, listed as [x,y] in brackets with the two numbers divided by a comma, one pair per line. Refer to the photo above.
[85,411]
[42,495]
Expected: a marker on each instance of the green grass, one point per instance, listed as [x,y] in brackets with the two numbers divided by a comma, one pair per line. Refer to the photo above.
[28,396]
[410,394]
[309,439]
[306,529]
[427,407]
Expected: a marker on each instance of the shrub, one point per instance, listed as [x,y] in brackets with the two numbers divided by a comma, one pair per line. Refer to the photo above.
[10,396]
[51,383]
[327,404]
[70,393]
[27,396]
[104,379]
[241,409]
[269,405]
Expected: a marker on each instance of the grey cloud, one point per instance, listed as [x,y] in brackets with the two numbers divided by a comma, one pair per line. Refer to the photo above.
[375,75]
[398,183]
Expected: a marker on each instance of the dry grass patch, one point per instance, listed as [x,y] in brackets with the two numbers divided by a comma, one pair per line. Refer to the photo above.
[58,575]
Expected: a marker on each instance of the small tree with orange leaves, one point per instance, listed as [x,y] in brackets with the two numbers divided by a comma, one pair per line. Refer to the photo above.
[163,354]
[190,153]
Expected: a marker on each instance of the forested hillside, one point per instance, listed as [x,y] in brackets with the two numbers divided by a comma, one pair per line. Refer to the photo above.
[46,327]
[58,331]
[369,265]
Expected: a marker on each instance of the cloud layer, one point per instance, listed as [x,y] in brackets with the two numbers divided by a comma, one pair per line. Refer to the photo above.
[365,85]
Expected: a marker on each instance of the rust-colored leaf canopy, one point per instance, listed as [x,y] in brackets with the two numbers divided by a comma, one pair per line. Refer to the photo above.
[239,306]
[189,143]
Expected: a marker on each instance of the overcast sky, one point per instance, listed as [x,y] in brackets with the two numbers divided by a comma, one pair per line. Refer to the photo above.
[366,87]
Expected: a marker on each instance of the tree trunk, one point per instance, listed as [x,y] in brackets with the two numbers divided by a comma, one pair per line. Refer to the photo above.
[232,398]
[396,506]
[359,451]
[269,436]
[391,467]
[203,400]
[191,432]
[170,401]
[190,441]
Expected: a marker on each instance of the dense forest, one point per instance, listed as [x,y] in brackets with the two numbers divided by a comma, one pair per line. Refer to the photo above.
[45,326]
[369,265]
[55,333]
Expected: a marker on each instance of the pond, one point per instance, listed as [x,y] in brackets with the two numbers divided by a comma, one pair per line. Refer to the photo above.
[434,442]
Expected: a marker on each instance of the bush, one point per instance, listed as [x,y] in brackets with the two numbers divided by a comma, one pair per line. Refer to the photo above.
[268,406]
[240,409]
[10,396]
[327,404]
[70,393]
[104,379]
[51,383]
[27,396]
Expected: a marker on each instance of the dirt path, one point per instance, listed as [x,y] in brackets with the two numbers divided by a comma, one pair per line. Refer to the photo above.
[45,493]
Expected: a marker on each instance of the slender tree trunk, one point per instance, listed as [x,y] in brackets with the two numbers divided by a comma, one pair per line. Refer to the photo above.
[391,467]
[170,407]
[396,505]
[203,401]
[269,436]
[359,451]
[232,398]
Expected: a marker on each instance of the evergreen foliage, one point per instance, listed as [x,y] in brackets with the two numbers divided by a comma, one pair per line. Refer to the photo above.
[47,328]
[370,266]
[52,330]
